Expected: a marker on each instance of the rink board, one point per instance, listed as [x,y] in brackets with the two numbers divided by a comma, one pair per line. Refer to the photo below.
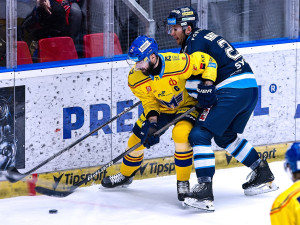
[62,104]
[150,168]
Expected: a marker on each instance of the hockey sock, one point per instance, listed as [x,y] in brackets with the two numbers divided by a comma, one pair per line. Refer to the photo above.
[183,155]
[204,161]
[132,161]
[244,152]
[183,165]
[204,157]
[130,164]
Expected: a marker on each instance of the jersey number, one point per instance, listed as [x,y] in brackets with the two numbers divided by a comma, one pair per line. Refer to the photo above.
[229,50]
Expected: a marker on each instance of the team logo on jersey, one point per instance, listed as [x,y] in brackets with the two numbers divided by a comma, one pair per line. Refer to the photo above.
[214,65]
[202,66]
[148,88]
[172,82]
[175,57]
[167,58]
[174,102]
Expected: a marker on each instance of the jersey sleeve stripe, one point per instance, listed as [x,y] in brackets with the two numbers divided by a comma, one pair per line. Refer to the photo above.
[139,83]
[285,202]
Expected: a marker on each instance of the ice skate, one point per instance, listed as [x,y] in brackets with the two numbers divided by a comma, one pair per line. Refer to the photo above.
[183,187]
[261,180]
[201,197]
[117,180]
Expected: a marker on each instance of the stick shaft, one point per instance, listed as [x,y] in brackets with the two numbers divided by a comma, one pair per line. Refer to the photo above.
[21,176]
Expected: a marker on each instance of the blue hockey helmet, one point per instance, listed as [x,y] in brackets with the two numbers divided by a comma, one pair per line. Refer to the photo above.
[292,157]
[183,16]
[141,48]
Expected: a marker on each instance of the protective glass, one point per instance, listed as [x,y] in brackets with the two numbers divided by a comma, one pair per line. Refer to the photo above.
[174,28]
[139,64]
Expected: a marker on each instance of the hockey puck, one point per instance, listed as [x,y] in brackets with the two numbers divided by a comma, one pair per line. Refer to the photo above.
[53,211]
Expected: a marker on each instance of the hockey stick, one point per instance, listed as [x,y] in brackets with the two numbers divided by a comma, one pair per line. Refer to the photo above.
[88,178]
[13,175]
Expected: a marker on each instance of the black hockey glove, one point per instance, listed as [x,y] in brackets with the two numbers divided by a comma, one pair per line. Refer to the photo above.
[147,137]
[206,96]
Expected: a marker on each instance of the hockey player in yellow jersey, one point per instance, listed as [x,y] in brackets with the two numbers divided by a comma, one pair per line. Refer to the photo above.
[158,80]
[286,207]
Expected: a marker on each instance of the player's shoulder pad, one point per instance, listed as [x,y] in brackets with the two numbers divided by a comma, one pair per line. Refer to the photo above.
[137,78]
[200,34]
[175,63]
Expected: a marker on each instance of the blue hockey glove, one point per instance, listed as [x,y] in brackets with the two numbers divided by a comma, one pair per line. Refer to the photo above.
[206,96]
[147,137]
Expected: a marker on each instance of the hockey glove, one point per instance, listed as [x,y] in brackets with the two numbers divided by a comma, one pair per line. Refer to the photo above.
[206,96]
[147,137]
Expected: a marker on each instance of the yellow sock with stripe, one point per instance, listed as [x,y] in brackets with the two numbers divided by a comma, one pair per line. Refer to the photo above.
[132,161]
[130,164]
[183,165]
[183,155]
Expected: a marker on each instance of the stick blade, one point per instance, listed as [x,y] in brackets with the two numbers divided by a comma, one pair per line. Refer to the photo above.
[53,193]
[13,175]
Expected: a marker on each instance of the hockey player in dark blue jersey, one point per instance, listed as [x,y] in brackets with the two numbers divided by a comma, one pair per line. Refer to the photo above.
[229,101]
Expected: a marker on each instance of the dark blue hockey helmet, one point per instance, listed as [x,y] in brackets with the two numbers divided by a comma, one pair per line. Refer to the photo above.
[292,157]
[141,48]
[183,16]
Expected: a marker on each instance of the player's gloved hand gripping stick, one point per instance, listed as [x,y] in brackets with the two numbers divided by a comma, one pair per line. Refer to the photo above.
[13,175]
[147,137]
[69,190]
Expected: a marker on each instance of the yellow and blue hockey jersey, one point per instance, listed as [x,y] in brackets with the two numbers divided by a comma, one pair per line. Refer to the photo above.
[286,207]
[166,92]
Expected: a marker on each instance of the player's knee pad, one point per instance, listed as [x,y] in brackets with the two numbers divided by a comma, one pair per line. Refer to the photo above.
[180,135]
[200,136]
[224,141]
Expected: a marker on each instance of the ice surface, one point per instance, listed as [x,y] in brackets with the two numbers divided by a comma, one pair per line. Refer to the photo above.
[148,202]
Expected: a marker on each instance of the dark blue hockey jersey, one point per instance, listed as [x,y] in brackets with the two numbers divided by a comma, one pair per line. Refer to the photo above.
[233,71]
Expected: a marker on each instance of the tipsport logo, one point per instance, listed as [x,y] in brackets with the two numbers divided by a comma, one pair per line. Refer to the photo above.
[150,168]
[72,179]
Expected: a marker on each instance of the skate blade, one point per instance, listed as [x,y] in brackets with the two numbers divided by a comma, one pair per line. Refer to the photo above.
[263,188]
[202,206]
[121,187]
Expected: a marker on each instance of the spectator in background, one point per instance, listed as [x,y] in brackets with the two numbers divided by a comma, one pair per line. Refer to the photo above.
[286,207]
[53,18]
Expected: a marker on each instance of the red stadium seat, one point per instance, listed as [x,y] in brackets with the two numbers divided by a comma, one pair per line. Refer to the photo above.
[56,48]
[23,53]
[93,45]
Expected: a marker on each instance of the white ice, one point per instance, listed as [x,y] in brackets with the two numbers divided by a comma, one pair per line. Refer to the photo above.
[148,202]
